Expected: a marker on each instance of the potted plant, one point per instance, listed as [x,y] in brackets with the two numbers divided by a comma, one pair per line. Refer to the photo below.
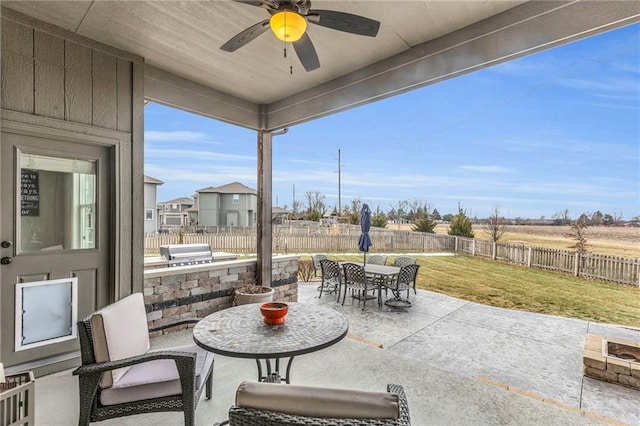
[252,293]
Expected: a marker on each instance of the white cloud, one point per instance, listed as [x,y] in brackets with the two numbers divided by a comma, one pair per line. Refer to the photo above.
[487,169]
[195,155]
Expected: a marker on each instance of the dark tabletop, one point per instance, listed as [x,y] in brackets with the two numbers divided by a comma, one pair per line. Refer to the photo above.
[241,332]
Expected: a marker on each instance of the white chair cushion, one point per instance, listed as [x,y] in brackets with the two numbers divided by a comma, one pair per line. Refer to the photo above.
[155,379]
[120,331]
[311,401]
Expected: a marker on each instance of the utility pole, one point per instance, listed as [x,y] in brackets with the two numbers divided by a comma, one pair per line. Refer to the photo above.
[293,206]
[339,189]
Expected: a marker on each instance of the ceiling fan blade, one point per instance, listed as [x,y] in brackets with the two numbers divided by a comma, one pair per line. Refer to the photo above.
[245,36]
[347,22]
[307,53]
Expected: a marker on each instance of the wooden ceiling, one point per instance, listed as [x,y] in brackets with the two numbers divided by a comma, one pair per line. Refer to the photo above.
[419,43]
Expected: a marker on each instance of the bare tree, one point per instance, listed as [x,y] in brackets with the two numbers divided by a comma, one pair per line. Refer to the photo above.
[578,233]
[315,202]
[496,225]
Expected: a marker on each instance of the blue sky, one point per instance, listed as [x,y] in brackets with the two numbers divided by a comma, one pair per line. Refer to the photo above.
[554,131]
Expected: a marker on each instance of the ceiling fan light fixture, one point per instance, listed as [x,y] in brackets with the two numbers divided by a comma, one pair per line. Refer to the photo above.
[288,26]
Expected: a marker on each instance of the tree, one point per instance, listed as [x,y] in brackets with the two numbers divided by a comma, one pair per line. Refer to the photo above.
[313,215]
[608,220]
[436,215]
[379,219]
[496,225]
[315,202]
[424,224]
[354,214]
[447,217]
[561,218]
[578,232]
[461,225]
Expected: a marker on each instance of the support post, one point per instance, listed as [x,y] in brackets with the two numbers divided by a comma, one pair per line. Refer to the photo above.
[264,240]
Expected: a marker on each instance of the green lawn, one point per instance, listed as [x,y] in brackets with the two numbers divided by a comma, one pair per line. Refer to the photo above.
[497,283]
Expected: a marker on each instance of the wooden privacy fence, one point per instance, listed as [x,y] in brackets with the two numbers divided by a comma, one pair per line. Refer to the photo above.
[606,268]
[594,266]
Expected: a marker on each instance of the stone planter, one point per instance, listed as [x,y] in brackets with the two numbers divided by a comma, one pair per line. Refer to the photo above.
[252,294]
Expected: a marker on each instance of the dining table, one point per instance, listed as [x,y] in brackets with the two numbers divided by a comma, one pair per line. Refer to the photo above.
[377,273]
[241,332]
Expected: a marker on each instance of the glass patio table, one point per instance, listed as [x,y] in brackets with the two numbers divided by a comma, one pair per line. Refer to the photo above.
[241,332]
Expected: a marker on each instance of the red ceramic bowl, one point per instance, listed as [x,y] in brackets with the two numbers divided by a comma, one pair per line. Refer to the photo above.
[274,312]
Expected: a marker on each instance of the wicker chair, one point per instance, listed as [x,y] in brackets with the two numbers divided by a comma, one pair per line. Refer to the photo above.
[377,259]
[331,277]
[316,258]
[357,280]
[293,410]
[120,376]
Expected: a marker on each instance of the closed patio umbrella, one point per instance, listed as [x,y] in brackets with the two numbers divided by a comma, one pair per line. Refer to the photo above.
[365,224]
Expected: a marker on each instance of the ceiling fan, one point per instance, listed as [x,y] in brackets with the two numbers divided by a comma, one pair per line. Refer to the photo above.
[288,22]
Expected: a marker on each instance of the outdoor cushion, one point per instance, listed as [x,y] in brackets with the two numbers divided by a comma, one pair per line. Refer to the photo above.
[120,331]
[311,401]
[155,379]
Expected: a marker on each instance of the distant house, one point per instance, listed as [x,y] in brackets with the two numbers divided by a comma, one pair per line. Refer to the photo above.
[175,213]
[279,215]
[233,204]
[150,210]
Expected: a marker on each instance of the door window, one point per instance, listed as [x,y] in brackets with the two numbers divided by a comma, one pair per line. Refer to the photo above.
[56,203]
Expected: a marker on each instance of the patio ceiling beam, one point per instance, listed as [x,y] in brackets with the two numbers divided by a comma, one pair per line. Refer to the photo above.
[522,30]
[169,89]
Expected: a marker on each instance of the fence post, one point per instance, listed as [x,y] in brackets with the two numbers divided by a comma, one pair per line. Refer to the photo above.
[494,250]
[576,267]
[473,248]
[529,258]
[455,245]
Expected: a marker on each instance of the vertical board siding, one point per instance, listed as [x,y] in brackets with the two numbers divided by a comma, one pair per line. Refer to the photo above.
[105,98]
[124,70]
[45,75]
[48,75]
[77,83]
[16,64]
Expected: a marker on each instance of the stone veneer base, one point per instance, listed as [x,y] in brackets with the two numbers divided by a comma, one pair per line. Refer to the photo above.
[598,365]
[187,292]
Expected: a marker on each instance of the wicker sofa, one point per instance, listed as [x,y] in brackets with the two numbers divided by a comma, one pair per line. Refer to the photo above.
[268,404]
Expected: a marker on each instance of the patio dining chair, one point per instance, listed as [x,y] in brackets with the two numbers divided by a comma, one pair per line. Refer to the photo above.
[316,258]
[404,261]
[401,261]
[331,277]
[400,283]
[377,259]
[121,376]
[356,280]
[269,404]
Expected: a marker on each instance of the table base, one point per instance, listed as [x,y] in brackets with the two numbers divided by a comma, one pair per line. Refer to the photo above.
[272,368]
[397,303]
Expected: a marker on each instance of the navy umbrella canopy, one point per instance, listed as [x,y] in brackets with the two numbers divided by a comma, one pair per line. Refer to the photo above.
[365,225]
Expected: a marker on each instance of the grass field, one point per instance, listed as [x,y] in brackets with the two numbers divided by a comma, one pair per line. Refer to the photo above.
[611,241]
[500,284]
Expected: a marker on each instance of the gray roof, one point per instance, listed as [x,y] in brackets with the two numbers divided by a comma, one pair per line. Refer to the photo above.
[149,179]
[230,188]
[181,200]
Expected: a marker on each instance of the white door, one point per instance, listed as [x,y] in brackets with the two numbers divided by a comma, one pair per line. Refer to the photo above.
[54,235]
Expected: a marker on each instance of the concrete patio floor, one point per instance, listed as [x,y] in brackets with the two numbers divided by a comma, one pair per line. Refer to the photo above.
[459,362]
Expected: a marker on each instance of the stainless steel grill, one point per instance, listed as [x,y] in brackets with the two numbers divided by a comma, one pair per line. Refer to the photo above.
[186,254]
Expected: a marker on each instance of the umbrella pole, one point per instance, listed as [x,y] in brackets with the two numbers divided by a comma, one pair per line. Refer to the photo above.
[365,257]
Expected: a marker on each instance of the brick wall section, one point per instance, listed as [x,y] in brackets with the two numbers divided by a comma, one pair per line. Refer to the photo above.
[185,292]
